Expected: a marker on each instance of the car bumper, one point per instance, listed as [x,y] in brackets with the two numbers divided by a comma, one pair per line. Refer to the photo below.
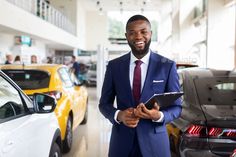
[203,147]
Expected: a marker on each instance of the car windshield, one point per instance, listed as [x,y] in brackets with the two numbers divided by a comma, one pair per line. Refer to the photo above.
[93,67]
[217,96]
[29,79]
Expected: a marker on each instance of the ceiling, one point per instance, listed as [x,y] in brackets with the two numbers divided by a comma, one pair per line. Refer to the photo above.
[125,5]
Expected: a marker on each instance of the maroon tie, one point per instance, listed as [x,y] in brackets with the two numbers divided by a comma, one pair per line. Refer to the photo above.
[137,81]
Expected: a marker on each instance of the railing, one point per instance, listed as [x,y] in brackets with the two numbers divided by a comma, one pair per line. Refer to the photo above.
[44,10]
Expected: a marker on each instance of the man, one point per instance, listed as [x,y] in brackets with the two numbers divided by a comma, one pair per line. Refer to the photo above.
[9,59]
[137,131]
[75,67]
[33,59]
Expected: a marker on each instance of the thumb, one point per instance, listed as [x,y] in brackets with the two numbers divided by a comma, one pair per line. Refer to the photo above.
[156,106]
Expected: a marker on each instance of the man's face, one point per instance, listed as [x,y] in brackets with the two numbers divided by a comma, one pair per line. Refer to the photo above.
[138,36]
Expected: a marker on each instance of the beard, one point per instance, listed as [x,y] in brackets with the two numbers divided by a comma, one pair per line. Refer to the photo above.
[141,52]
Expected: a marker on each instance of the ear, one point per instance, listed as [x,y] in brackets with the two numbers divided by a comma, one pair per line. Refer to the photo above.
[126,36]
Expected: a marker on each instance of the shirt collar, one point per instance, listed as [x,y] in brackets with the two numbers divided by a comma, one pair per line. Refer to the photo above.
[145,59]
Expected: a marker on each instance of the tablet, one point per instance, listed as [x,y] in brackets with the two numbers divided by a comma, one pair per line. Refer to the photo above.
[163,99]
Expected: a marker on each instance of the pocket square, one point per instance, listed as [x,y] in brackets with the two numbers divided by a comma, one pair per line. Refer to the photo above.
[157,81]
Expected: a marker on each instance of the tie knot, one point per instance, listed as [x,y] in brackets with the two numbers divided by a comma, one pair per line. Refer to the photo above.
[138,62]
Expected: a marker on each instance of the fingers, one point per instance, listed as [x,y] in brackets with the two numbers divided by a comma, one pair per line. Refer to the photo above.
[131,123]
[156,106]
[142,112]
[129,119]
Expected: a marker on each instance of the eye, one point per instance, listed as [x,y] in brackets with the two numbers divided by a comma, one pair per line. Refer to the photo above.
[144,32]
[131,33]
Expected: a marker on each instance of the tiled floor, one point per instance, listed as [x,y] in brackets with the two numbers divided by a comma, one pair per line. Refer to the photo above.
[92,139]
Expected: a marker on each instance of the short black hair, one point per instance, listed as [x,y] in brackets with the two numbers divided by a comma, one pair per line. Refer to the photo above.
[136,18]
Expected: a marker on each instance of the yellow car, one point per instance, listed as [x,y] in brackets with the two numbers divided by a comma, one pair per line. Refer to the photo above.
[174,134]
[55,80]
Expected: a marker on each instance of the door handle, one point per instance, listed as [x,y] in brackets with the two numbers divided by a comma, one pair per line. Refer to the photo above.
[9,145]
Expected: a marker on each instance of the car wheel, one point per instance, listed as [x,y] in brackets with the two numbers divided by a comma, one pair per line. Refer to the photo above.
[84,121]
[67,143]
[55,151]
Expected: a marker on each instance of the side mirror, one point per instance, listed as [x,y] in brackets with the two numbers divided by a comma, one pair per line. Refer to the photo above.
[43,103]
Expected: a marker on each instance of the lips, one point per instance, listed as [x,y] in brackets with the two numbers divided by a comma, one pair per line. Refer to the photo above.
[139,43]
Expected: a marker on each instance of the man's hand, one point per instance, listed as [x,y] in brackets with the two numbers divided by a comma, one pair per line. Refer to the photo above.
[142,112]
[128,118]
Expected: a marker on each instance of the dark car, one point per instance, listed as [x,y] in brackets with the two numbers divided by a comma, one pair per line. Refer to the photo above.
[207,125]
[233,154]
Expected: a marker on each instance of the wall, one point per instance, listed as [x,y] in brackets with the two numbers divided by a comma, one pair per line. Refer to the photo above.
[221,35]
[6,41]
[96,30]
[81,25]
[7,46]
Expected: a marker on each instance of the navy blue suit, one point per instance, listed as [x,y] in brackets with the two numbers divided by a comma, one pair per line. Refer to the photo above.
[152,136]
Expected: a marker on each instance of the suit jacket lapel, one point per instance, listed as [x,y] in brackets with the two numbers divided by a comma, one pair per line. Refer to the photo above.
[152,68]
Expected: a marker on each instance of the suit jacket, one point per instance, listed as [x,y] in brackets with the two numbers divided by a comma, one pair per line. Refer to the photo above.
[152,136]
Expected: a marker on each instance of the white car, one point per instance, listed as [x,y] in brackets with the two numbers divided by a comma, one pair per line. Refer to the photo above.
[27,128]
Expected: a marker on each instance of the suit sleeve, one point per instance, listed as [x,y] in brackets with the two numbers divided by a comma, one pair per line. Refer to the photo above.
[107,96]
[174,110]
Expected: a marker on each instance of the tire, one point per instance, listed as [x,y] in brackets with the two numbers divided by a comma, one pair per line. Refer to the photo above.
[55,151]
[67,142]
[84,121]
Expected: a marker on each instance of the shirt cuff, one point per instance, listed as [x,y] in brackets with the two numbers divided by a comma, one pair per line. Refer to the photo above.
[116,115]
[161,119]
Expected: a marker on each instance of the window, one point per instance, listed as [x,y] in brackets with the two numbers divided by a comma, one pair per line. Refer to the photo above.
[29,79]
[117,23]
[10,101]
[65,77]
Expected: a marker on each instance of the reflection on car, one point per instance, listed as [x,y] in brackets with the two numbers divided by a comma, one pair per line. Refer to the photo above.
[21,119]
[55,80]
[207,125]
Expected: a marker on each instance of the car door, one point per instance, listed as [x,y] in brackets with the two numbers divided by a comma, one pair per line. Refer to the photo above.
[74,96]
[22,133]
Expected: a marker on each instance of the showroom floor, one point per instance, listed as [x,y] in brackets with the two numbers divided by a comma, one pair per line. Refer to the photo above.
[92,139]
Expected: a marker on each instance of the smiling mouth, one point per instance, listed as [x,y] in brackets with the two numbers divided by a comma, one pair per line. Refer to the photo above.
[139,43]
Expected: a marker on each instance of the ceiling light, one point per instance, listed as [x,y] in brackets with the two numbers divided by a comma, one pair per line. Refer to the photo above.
[98,3]
[142,10]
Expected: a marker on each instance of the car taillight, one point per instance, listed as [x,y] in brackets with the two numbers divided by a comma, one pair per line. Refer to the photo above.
[196,130]
[202,131]
[233,154]
[215,132]
[56,94]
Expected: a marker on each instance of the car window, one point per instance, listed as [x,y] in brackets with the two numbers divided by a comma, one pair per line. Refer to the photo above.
[65,77]
[217,95]
[29,79]
[10,101]
[226,86]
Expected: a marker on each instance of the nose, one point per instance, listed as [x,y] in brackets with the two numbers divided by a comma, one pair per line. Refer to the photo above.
[138,35]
